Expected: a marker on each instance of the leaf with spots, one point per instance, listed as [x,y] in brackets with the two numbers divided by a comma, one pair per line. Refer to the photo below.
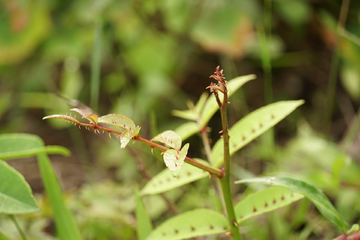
[199,222]
[252,126]
[169,138]
[125,138]
[312,193]
[164,181]
[174,159]
[211,105]
[263,201]
[92,117]
[118,120]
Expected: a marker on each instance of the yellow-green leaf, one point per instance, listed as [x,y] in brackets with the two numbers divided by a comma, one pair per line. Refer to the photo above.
[92,117]
[174,159]
[170,138]
[118,120]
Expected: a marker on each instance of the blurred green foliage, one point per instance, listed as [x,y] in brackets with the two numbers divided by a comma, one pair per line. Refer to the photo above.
[157,54]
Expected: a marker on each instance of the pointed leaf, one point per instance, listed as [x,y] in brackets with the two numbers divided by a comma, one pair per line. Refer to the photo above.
[17,145]
[201,103]
[186,114]
[118,120]
[312,193]
[170,138]
[187,129]
[263,201]
[65,117]
[211,105]
[92,117]
[252,126]
[164,181]
[65,223]
[15,193]
[174,159]
[136,131]
[199,222]
[143,221]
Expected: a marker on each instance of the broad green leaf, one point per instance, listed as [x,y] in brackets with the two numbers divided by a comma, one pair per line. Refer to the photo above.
[170,138]
[125,138]
[143,222]
[187,129]
[211,105]
[263,201]
[164,181]
[65,117]
[65,223]
[15,192]
[252,126]
[117,120]
[174,159]
[312,193]
[199,222]
[17,145]
[92,117]
[3,237]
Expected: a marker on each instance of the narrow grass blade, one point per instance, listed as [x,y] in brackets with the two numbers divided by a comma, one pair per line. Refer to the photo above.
[199,222]
[143,226]
[65,223]
[15,193]
[312,193]
[263,201]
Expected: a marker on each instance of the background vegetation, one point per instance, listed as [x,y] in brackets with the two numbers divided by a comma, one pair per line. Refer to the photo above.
[143,59]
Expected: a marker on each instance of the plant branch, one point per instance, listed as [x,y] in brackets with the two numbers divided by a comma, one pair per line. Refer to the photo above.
[213,171]
[225,181]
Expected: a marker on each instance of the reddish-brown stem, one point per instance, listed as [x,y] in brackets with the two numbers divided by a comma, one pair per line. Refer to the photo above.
[213,171]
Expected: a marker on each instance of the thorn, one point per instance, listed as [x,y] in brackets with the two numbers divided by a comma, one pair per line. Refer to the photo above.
[109,134]
[229,136]
[152,150]
[222,131]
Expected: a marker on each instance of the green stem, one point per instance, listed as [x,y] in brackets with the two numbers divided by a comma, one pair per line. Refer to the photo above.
[22,234]
[95,67]
[225,181]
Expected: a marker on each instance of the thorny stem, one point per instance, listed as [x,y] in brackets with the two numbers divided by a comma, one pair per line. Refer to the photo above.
[225,181]
[213,171]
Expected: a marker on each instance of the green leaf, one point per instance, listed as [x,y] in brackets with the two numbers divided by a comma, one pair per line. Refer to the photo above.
[15,192]
[65,223]
[170,138]
[211,105]
[17,145]
[312,193]
[187,129]
[125,138]
[252,126]
[201,103]
[164,181]
[65,117]
[143,222]
[174,159]
[118,120]
[186,114]
[92,117]
[263,201]
[3,237]
[199,222]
